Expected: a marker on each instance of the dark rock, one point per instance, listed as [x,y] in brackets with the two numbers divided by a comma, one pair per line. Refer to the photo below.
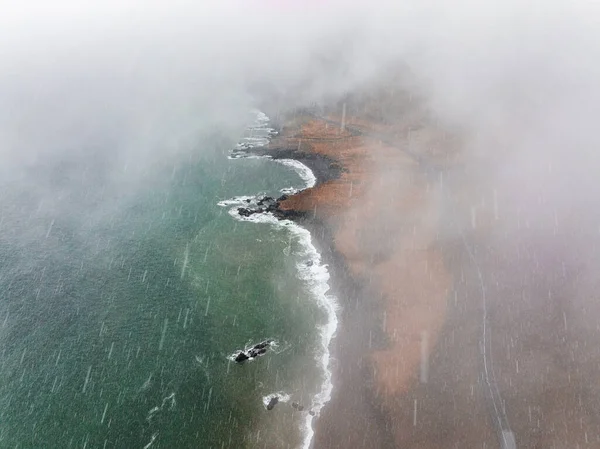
[241,357]
[266,199]
[288,214]
[245,212]
[272,403]
[257,352]
[297,406]
[263,344]
[260,348]
[282,198]
[248,200]
[311,413]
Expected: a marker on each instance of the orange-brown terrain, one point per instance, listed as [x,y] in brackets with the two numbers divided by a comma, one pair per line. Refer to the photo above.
[421,246]
[384,213]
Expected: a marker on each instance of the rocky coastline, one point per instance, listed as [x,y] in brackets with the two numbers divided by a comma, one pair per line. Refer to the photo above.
[289,143]
[415,247]
[390,287]
[348,212]
[268,204]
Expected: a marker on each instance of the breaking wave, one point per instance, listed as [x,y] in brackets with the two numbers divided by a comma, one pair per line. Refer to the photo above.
[310,267]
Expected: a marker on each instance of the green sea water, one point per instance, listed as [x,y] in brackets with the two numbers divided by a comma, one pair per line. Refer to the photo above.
[119,305]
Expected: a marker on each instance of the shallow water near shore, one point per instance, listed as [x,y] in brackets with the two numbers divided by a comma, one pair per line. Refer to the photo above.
[118,313]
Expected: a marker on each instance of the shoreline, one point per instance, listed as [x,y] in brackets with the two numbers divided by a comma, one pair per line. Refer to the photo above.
[428,272]
[392,293]
[343,282]
[313,170]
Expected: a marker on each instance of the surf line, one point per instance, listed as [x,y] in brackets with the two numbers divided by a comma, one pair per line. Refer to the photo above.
[311,269]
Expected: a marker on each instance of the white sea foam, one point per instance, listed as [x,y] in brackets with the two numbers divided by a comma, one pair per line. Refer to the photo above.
[303,171]
[312,271]
[244,155]
[152,438]
[281,396]
[238,201]
[258,134]
[316,275]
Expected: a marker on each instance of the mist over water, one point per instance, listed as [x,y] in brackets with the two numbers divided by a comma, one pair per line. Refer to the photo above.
[116,330]
[116,120]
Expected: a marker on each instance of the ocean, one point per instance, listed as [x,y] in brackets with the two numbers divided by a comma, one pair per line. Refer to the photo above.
[120,310]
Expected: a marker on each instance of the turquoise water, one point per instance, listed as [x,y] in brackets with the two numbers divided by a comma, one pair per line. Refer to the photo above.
[119,307]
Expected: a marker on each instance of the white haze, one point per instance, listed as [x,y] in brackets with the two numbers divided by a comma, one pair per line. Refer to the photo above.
[143,79]
[128,90]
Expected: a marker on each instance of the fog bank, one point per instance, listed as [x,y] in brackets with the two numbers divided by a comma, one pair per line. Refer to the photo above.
[141,81]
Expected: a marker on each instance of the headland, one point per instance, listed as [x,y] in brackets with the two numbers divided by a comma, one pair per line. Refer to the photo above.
[433,333]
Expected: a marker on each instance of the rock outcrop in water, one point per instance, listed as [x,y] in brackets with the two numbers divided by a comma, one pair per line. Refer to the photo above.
[255,351]
[272,403]
[269,204]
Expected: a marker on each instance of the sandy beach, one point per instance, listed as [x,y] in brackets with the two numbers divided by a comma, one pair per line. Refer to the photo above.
[427,276]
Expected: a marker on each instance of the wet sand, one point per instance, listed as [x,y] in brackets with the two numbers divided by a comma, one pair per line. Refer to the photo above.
[412,252]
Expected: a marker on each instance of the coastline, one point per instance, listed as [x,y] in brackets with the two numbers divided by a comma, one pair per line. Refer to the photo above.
[409,371]
[375,216]
[443,313]
[339,162]
[385,313]
[357,316]
[312,169]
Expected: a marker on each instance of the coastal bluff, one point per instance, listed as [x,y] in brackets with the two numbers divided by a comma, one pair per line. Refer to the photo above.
[461,318]
[377,204]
